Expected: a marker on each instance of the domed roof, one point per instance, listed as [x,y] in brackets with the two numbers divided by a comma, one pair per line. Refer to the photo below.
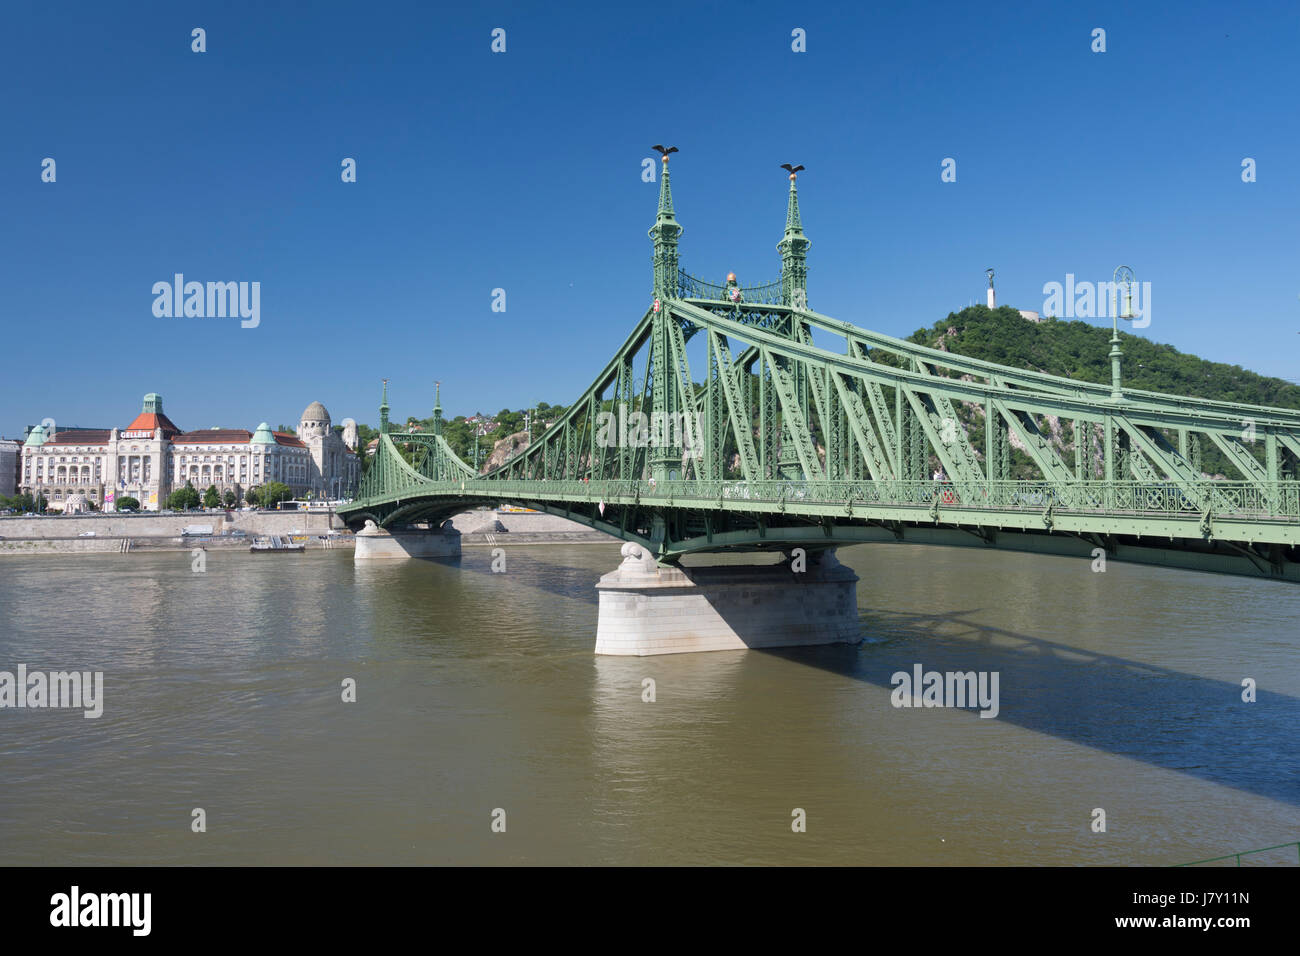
[263,435]
[315,412]
[36,438]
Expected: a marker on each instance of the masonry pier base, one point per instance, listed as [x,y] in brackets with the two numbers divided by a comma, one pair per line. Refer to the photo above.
[380,544]
[648,609]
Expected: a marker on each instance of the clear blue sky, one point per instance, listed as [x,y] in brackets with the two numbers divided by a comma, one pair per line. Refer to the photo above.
[522,170]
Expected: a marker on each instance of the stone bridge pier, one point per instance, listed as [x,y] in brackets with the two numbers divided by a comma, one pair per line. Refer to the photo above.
[381,544]
[647,609]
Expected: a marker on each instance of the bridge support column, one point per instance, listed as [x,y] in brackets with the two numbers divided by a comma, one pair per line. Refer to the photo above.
[647,609]
[379,544]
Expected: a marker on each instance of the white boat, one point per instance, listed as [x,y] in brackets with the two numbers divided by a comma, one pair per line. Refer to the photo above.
[274,542]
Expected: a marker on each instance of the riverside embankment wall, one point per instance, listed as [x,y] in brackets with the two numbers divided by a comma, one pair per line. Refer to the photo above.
[152,524]
[157,532]
[55,534]
[521,527]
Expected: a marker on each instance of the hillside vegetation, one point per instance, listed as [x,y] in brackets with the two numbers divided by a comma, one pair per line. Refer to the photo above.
[1079,350]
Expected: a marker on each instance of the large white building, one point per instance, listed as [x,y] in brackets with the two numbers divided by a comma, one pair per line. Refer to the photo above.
[152,457]
[10,453]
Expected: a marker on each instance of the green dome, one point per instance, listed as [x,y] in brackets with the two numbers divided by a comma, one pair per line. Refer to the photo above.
[262,436]
[36,439]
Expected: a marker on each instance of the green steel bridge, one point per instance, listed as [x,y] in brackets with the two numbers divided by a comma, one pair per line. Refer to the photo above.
[807,431]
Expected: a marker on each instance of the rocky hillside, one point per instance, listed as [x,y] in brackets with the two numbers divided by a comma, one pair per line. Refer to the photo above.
[503,450]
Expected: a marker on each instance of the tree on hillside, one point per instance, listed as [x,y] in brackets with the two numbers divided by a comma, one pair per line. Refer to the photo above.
[461,434]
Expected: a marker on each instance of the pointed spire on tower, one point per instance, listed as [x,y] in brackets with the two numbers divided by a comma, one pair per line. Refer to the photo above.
[794,248]
[665,194]
[793,225]
[437,408]
[383,409]
[665,233]
[665,187]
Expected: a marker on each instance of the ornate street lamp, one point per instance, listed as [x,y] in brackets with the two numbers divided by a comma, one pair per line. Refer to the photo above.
[1123,279]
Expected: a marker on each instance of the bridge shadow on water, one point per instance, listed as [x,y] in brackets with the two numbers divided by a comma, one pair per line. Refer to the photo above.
[1163,717]
[562,580]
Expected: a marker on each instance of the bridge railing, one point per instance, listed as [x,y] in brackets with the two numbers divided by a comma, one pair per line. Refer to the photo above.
[1276,500]
[1237,856]
[690,287]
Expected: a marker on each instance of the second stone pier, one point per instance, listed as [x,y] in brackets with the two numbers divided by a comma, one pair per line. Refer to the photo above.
[379,544]
[647,608]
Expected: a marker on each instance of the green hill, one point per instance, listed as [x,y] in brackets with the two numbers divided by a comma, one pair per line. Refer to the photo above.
[1080,350]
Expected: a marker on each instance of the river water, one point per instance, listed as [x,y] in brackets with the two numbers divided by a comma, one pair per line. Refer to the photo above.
[478,692]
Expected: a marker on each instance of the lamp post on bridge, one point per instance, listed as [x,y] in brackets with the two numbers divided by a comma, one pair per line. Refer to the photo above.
[1123,277]
[479,431]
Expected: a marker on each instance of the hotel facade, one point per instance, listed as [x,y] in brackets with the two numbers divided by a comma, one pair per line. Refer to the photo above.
[150,458]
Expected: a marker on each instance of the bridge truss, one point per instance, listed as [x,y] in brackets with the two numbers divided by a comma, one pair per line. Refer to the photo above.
[737,418]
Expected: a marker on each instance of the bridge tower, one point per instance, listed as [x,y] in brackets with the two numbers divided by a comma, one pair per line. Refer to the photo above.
[383,409]
[794,253]
[665,458]
[664,234]
[437,408]
[793,248]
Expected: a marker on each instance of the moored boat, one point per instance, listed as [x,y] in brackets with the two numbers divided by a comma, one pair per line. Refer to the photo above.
[274,542]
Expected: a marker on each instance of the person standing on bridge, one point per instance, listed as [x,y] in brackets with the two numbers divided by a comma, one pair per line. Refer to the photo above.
[733,288]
